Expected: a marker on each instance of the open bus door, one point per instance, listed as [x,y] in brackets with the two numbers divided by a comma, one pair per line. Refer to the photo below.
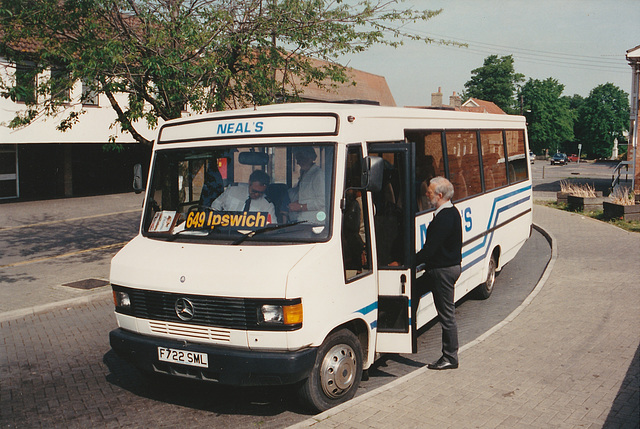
[394,232]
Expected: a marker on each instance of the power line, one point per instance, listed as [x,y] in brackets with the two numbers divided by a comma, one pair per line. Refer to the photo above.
[572,61]
[550,61]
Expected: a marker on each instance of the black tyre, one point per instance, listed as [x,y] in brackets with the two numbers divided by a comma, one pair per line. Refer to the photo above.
[336,374]
[483,291]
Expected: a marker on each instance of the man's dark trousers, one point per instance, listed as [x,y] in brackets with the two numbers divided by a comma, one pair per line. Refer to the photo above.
[442,283]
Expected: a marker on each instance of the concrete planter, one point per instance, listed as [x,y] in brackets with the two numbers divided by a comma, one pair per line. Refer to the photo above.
[618,211]
[585,204]
[562,197]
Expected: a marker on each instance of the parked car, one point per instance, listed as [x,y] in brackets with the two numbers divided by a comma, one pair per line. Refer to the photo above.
[573,157]
[532,157]
[559,158]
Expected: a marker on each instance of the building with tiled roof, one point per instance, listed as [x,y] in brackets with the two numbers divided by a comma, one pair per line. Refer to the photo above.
[455,103]
[633,56]
[481,106]
[39,161]
[364,87]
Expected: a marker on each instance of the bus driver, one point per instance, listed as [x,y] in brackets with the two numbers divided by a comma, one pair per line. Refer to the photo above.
[247,198]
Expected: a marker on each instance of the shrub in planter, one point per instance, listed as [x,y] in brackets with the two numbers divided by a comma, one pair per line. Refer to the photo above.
[622,205]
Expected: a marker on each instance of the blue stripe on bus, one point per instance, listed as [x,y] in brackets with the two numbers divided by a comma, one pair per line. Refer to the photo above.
[493,221]
[368,309]
[488,239]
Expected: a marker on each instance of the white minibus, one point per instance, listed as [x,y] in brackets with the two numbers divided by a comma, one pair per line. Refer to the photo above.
[302,273]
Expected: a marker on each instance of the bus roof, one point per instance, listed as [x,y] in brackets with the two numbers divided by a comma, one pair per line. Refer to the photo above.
[323,119]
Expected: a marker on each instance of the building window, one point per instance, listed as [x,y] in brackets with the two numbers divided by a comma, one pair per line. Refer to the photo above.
[89,94]
[25,89]
[60,84]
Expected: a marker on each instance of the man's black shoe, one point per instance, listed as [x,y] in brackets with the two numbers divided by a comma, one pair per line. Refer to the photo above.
[442,363]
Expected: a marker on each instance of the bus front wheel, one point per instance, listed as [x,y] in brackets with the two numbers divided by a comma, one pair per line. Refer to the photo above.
[336,374]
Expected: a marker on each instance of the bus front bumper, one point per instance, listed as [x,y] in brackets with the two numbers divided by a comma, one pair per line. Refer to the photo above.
[224,365]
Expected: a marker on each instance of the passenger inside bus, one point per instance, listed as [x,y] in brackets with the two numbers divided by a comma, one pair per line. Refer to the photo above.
[307,197]
[213,185]
[425,171]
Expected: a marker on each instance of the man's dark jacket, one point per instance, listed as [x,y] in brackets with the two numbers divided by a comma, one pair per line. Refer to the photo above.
[443,247]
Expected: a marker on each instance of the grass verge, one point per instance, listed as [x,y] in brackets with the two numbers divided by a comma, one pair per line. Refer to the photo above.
[632,226]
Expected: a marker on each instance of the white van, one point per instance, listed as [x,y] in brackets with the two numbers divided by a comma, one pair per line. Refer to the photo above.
[304,279]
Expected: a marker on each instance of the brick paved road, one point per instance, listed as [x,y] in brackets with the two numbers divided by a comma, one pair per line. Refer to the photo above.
[57,369]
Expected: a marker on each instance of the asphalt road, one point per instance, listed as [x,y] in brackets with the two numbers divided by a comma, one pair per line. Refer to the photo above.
[57,369]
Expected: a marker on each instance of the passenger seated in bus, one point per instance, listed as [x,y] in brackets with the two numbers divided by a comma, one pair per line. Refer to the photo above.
[307,197]
[213,185]
[425,171]
[352,242]
[247,197]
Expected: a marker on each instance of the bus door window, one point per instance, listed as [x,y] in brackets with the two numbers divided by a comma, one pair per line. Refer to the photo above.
[464,163]
[518,166]
[389,214]
[356,246]
[495,171]
[429,163]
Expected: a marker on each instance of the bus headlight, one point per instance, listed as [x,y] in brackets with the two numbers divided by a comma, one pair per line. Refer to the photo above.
[121,300]
[283,315]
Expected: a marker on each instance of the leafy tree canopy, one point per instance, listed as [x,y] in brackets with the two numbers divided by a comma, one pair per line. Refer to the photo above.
[206,54]
[495,81]
[603,117]
[549,116]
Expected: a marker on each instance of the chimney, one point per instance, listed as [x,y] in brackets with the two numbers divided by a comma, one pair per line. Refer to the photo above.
[455,101]
[436,98]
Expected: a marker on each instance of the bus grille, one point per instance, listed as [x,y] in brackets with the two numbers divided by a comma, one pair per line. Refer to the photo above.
[219,312]
[189,331]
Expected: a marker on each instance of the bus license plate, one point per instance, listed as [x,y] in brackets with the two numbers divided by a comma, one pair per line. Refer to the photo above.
[183,357]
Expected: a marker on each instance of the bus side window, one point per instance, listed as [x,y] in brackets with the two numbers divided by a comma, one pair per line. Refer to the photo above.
[495,172]
[356,246]
[464,163]
[516,155]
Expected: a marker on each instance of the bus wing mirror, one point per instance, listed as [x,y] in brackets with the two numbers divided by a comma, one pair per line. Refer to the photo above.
[372,173]
[137,179]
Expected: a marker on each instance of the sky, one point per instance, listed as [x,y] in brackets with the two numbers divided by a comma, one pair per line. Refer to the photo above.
[580,43]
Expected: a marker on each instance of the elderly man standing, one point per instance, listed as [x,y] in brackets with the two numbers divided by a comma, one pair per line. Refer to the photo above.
[442,254]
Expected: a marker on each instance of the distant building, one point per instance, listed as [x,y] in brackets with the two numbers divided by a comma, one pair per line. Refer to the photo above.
[481,106]
[455,103]
[633,56]
[38,161]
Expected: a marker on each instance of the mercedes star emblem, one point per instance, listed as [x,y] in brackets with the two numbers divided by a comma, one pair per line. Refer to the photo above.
[184,309]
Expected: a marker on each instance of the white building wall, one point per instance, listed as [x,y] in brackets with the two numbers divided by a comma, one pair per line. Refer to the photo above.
[96,124]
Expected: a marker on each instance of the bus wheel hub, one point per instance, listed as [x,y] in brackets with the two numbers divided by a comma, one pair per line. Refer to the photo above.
[338,370]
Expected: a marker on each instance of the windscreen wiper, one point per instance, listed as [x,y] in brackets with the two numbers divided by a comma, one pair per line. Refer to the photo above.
[266,229]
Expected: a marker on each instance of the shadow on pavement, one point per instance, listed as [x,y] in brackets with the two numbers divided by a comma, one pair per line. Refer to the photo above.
[624,412]
[209,397]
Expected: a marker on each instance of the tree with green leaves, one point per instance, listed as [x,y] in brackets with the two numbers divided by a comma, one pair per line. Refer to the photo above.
[548,113]
[495,81]
[207,55]
[603,117]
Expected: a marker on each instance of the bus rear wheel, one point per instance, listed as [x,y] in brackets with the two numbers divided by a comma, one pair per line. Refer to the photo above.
[483,291]
[336,374]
